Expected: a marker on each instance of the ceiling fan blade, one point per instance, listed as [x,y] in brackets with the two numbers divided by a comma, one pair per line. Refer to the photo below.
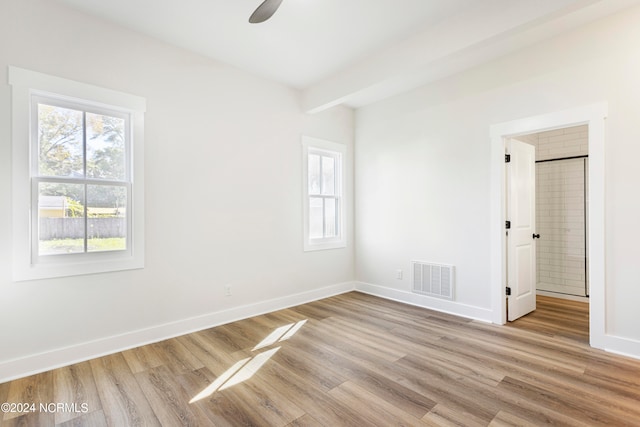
[265,11]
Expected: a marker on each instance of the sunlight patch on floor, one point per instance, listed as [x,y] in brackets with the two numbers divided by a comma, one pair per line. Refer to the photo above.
[244,369]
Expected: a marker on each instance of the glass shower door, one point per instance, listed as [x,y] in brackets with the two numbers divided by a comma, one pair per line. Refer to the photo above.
[561,208]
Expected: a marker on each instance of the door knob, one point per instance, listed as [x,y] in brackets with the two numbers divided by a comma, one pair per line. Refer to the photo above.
[536,236]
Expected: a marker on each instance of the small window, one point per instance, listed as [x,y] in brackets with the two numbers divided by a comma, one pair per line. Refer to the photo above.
[323,194]
[84,193]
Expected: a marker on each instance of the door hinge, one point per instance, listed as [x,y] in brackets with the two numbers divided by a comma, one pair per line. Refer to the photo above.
[507,158]
[507,225]
[508,291]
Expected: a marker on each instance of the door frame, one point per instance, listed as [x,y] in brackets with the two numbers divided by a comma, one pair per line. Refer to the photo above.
[595,116]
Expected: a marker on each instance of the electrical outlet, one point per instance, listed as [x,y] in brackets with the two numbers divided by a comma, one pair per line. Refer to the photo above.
[227,290]
[399,274]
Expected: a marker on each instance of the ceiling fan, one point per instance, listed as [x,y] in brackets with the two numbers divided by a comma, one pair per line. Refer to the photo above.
[264,11]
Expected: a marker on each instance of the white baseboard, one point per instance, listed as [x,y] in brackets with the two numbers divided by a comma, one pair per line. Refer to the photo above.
[562,296]
[36,363]
[445,306]
[622,346]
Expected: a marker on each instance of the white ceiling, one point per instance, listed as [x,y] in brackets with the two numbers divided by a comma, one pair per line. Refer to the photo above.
[351,51]
[303,42]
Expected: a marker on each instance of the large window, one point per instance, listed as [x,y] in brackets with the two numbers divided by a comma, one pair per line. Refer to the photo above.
[80,180]
[323,194]
[78,171]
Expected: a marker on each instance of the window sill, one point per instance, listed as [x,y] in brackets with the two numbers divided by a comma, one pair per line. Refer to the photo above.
[321,246]
[101,264]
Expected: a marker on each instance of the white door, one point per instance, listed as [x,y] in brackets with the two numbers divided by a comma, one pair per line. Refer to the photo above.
[521,248]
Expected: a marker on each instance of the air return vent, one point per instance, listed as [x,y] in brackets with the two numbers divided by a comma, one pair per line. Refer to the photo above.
[435,280]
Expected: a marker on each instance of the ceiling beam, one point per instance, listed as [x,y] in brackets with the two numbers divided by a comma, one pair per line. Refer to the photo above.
[491,29]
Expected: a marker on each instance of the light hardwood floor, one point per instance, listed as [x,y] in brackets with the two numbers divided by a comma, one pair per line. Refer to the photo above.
[557,317]
[349,360]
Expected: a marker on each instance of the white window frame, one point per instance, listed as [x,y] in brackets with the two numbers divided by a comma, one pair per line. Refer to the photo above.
[338,152]
[27,265]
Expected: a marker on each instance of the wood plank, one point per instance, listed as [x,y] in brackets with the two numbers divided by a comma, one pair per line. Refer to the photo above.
[372,409]
[484,403]
[123,402]
[305,421]
[441,415]
[313,310]
[142,358]
[202,347]
[176,356]
[222,340]
[505,419]
[358,348]
[386,388]
[34,419]
[75,385]
[4,394]
[92,419]
[35,389]
[309,397]
[357,360]
[258,401]
[168,399]
[584,412]
[284,316]
[222,409]
[246,385]
[250,331]
[403,398]
[296,362]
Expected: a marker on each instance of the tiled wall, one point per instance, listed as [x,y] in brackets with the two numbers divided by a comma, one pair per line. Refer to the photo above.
[560,215]
[559,143]
[560,209]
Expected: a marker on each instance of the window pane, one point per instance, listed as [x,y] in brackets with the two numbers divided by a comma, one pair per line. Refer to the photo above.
[330,215]
[59,141]
[328,176]
[315,218]
[105,147]
[314,174]
[60,218]
[107,219]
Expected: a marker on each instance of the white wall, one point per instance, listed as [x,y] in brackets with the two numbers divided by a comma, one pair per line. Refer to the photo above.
[423,166]
[223,194]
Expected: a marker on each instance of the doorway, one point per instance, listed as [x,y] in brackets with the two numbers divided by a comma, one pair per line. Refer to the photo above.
[594,117]
[562,199]
[559,294]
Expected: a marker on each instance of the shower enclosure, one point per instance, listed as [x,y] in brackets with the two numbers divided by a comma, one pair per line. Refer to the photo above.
[561,211]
